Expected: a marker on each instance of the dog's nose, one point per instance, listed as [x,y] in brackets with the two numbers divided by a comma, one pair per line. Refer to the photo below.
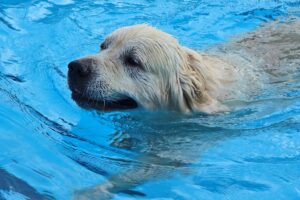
[79,68]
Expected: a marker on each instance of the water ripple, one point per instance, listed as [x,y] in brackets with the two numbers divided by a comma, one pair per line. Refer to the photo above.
[51,147]
[221,184]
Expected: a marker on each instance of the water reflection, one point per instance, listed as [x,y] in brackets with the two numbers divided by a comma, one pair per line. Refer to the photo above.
[59,148]
[12,184]
[161,143]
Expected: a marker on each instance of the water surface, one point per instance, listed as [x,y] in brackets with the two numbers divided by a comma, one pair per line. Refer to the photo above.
[50,147]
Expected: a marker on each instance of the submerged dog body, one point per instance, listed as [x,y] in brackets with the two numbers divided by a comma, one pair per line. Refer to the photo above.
[140,65]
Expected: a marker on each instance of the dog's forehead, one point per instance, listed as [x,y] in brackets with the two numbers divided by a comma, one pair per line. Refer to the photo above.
[140,33]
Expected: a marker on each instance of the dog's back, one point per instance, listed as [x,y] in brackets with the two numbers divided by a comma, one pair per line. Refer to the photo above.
[275,47]
[268,55]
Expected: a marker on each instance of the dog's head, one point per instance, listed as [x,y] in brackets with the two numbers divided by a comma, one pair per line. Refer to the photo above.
[138,65]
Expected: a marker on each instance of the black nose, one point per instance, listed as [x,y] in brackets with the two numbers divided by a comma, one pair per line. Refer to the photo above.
[79,68]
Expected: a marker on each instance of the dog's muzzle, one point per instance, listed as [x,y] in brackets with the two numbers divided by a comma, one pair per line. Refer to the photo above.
[79,77]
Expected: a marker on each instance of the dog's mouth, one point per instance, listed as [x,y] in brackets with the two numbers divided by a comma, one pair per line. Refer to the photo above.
[106,105]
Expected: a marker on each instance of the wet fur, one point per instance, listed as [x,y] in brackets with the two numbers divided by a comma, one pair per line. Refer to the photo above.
[193,81]
[174,77]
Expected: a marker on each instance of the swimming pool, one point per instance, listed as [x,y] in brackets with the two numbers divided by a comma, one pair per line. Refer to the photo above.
[50,147]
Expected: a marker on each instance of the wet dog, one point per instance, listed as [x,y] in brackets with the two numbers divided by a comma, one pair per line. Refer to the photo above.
[142,66]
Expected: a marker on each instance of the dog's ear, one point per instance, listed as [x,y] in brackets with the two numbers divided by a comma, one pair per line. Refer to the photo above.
[195,94]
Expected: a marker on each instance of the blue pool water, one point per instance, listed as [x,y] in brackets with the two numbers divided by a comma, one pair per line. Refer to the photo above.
[50,147]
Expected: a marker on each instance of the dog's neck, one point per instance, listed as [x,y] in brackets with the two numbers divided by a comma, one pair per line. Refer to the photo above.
[219,75]
[206,81]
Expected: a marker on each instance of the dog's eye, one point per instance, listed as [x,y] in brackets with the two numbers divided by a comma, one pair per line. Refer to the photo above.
[131,61]
[103,46]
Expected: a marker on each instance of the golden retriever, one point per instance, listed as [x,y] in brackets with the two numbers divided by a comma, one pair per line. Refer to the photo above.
[142,66]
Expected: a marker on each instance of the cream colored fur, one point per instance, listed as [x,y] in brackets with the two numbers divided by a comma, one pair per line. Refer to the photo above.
[178,78]
[173,77]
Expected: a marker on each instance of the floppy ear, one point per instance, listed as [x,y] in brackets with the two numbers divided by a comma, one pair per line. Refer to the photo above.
[193,83]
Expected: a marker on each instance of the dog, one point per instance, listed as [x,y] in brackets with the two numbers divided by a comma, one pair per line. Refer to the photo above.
[142,66]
